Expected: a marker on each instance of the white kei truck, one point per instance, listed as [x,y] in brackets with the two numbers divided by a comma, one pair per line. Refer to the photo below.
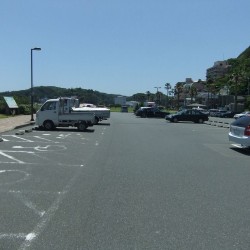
[60,113]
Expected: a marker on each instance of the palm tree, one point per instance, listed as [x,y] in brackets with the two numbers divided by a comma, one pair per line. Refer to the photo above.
[178,90]
[167,87]
[235,80]
[148,95]
[192,92]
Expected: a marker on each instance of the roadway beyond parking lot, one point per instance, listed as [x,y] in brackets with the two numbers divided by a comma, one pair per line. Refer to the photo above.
[132,184]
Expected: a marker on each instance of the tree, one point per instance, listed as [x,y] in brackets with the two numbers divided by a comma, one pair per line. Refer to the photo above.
[177,91]
[192,92]
[235,81]
[167,87]
[148,95]
[140,97]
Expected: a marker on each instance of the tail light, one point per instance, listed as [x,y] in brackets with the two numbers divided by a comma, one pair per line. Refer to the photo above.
[247,131]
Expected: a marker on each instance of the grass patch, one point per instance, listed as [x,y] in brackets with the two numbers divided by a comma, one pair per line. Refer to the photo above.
[118,109]
[3,116]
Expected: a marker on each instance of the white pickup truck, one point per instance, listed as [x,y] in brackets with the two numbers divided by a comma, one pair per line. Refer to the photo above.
[59,113]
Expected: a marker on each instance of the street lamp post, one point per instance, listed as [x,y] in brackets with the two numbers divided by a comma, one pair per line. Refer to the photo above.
[32,92]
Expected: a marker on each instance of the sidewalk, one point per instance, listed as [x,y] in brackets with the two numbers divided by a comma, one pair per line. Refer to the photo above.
[10,123]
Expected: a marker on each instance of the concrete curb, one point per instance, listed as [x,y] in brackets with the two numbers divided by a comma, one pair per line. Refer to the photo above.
[220,124]
[24,125]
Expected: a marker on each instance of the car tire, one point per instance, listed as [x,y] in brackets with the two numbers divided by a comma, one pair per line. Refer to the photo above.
[82,126]
[175,120]
[96,120]
[200,120]
[48,125]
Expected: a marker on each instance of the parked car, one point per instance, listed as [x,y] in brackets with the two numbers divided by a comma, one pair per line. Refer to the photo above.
[228,114]
[213,112]
[220,112]
[151,112]
[240,131]
[241,114]
[188,115]
[204,111]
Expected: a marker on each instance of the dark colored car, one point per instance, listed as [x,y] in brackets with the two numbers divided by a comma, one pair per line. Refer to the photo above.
[228,114]
[188,115]
[151,112]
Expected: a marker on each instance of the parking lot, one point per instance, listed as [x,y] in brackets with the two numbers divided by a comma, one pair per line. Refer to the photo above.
[37,170]
[66,189]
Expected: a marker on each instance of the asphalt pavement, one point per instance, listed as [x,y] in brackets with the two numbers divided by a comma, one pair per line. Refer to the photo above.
[15,122]
[127,183]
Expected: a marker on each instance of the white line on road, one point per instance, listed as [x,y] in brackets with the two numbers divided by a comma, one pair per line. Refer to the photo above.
[18,137]
[11,157]
[13,236]
[29,204]
[29,239]
[39,137]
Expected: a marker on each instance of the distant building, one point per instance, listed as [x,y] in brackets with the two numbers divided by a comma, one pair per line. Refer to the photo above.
[219,69]
[121,100]
[132,103]
[184,94]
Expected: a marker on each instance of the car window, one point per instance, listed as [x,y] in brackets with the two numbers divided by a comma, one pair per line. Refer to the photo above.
[49,106]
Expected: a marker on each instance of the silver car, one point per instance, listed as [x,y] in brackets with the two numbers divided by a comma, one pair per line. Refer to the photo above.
[240,131]
[236,116]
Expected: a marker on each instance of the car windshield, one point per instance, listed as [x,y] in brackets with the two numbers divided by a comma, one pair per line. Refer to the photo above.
[181,112]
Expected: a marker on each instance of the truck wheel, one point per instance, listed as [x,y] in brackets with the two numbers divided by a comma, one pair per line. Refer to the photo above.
[82,126]
[48,125]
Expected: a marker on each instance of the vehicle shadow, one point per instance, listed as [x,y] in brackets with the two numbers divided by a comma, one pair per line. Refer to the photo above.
[102,124]
[62,129]
[244,151]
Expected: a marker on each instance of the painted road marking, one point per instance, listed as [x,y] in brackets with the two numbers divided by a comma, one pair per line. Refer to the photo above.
[11,157]
[45,139]
[44,148]
[29,204]
[24,176]
[29,239]
[13,236]
[21,138]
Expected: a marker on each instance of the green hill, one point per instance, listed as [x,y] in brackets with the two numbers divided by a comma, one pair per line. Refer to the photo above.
[48,92]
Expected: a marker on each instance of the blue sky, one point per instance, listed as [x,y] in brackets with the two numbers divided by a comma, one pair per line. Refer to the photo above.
[117,46]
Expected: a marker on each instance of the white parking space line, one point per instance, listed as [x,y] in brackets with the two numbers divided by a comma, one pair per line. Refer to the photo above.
[45,139]
[11,158]
[27,244]
[24,176]
[5,139]
[44,148]
[29,204]
[63,136]
[13,236]
[18,137]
